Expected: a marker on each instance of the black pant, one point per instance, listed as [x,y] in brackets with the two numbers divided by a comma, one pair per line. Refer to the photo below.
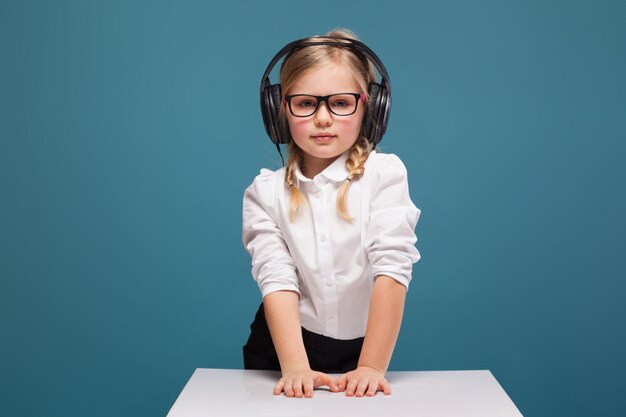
[325,353]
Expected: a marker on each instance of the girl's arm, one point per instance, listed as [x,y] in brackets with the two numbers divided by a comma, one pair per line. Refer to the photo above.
[389,242]
[383,325]
[283,319]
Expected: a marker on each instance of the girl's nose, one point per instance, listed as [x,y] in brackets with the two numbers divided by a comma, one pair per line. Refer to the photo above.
[322,115]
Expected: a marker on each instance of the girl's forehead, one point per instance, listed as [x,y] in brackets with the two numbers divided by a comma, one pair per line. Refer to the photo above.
[326,79]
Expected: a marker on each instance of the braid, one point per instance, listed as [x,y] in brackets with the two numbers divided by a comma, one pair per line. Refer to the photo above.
[295,156]
[355,164]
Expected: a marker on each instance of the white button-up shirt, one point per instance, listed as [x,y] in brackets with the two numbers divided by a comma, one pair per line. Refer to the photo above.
[329,262]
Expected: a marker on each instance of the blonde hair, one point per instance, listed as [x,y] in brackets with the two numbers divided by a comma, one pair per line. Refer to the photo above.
[297,64]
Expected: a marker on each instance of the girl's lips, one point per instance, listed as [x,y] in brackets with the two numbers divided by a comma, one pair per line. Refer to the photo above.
[322,138]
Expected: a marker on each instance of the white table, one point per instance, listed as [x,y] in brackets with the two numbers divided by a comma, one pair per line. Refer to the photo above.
[230,392]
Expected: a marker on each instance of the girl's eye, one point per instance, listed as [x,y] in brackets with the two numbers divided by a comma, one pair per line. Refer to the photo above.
[305,103]
[342,101]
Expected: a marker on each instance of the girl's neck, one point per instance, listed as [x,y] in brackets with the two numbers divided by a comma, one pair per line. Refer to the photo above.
[310,167]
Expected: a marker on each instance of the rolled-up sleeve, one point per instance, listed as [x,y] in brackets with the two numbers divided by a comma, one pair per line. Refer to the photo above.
[390,237]
[272,265]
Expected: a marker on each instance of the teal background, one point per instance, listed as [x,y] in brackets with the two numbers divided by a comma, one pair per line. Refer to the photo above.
[129,130]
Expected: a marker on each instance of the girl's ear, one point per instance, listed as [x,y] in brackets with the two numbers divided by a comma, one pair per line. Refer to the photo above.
[363,98]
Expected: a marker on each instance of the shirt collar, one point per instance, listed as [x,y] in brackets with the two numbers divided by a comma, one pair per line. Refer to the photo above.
[334,172]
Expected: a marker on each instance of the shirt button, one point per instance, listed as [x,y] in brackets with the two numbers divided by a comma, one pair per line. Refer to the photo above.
[329,283]
[322,237]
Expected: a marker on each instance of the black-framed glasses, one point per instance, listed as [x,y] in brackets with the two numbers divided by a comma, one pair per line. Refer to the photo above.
[340,104]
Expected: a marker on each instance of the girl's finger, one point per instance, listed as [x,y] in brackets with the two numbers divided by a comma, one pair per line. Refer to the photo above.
[288,388]
[297,388]
[341,382]
[371,390]
[279,387]
[386,387]
[362,387]
[308,388]
[329,381]
[351,387]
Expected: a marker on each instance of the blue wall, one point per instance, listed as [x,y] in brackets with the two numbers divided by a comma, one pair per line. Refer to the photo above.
[129,130]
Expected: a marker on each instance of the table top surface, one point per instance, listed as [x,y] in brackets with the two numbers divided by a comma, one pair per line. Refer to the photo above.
[235,392]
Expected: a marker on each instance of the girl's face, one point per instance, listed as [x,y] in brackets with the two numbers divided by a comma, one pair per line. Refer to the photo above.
[324,136]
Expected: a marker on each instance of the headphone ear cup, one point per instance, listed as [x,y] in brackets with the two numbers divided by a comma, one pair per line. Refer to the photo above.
[280,123]
[270,109]
[384,107]
[369,122]
[266,111]
[379,105]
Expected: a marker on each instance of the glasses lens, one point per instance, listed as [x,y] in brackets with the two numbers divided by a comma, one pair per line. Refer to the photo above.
[302,105]
[342,104]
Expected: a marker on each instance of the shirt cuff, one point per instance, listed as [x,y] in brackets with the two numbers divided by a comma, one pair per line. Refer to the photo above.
[397,277]
[270,288]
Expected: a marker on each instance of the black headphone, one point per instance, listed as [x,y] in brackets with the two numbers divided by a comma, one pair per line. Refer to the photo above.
[378,105]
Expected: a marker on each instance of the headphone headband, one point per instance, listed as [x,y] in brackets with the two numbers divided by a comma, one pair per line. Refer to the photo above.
[353,44]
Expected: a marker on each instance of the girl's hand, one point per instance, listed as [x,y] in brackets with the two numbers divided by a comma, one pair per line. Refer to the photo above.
[364,381]
[302,382]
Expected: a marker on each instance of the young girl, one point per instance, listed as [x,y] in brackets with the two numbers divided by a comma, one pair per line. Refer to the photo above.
[331,234]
